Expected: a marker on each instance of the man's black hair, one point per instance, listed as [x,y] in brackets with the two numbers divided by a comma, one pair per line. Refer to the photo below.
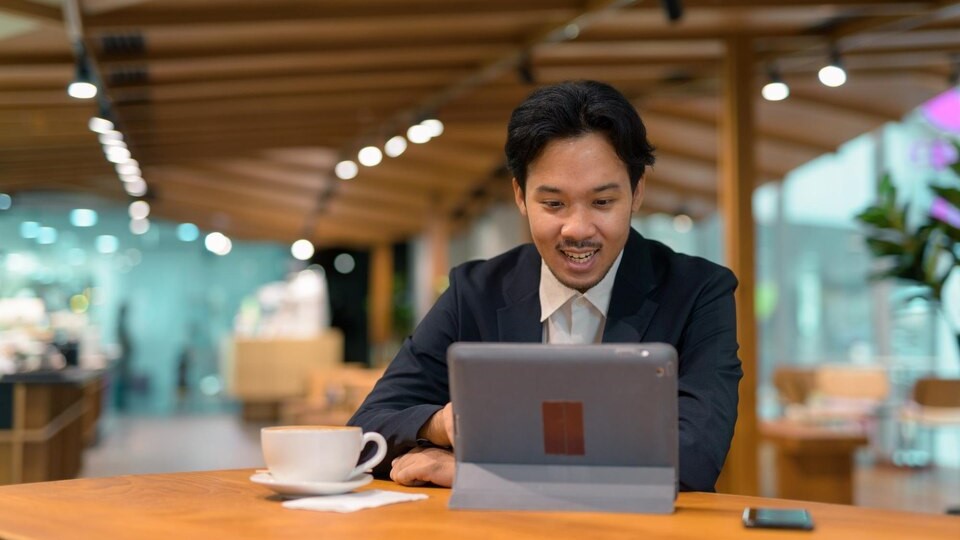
[573,109]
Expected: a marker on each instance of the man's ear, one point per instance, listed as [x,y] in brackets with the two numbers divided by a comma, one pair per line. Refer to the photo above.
[518,198]
[638,195]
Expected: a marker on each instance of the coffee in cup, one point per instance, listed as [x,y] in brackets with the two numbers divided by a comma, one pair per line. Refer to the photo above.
[318,453]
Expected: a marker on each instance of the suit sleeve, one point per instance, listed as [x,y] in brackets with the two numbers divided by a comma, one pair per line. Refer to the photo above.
[709,375]
[415,385]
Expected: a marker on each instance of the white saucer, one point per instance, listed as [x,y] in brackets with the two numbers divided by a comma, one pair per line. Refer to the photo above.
[307,489]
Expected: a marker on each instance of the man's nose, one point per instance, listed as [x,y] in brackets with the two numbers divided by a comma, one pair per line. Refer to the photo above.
[579,224]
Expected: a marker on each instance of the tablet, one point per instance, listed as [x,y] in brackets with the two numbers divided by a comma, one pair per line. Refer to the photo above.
[566,427]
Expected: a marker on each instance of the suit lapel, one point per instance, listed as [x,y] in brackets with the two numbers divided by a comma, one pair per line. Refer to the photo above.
[519,319]
[631,309]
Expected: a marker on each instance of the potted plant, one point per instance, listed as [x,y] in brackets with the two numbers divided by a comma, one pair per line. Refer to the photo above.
[923,253]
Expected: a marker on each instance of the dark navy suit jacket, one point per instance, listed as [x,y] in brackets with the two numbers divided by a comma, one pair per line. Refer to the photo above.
[658,295]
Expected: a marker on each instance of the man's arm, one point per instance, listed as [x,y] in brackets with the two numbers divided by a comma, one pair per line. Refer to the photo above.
[415,385]
[709,375]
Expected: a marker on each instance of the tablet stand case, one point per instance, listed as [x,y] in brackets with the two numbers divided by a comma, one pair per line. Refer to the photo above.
[586,488]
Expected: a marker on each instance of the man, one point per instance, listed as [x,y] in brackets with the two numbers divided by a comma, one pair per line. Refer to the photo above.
[578,152]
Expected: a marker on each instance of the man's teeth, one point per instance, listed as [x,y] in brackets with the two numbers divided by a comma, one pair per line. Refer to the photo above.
[580,257]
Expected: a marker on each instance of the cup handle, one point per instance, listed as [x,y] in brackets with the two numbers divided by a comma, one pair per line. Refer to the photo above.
[371,436]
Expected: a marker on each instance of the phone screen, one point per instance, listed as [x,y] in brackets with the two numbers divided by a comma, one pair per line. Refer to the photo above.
[777,518]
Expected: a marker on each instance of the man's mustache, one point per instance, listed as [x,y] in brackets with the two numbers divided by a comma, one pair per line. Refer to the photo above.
[582,244]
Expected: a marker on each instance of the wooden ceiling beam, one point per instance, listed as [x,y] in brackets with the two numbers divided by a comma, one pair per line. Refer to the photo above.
[161,178]
[158,15]
[199,110]
[777,134]
[32,10]
[317,86]
[856,106]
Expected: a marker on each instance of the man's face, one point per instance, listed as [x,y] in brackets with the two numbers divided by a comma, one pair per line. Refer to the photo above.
[579,203]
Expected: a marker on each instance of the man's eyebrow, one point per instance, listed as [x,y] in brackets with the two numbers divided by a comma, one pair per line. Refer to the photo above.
[611,185]
[598,189]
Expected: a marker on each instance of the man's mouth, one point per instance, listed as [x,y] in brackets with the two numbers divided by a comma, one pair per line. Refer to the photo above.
[580,257]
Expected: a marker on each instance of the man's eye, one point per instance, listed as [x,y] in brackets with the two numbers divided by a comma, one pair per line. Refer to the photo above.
[603,202]
[552,204]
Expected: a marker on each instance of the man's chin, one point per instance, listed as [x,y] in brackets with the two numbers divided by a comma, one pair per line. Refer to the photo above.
[582,284]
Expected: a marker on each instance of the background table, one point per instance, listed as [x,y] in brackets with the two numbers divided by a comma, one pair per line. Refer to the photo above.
[814,463]
[225,504]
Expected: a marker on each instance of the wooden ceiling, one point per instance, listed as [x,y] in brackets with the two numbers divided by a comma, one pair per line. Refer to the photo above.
[237,110]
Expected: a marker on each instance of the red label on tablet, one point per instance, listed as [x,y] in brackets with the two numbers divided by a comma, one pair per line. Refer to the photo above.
[563,428]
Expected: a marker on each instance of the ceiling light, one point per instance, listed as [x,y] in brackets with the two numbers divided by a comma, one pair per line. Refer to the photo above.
[82,86]
[6,201]
[776,89]
[129,167]
[117,154]
[346,170]
[100,125]
[395,146]
[135,188]
[435,126]
[139,226]
[302,249]
[139,209]
[370,156]
[82,90]
[110,135]
[418,134]
[131,178]
[833,75]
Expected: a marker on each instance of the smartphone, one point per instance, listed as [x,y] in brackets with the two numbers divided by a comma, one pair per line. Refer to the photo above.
[777,518]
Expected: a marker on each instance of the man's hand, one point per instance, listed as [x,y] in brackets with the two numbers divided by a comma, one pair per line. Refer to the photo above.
[439,428]
[424,465]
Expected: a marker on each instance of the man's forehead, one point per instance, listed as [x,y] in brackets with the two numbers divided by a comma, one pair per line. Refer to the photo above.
[548,187]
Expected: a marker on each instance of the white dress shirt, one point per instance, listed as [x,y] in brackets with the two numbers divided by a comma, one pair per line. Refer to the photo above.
[572,317]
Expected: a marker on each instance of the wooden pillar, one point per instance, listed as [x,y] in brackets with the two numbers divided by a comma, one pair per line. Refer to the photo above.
[736,190]
[381,301]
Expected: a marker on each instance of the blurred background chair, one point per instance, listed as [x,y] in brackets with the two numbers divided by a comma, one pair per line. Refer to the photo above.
[934,405]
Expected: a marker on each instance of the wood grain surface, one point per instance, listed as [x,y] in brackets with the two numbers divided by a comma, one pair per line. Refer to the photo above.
[225,504]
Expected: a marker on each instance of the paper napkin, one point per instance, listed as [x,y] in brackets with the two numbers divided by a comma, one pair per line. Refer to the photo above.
[351,502]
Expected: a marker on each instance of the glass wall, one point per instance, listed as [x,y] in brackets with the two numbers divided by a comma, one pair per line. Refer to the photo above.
[156,306]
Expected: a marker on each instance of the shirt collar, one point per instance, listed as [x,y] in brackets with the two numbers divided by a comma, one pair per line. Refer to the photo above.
[554,294]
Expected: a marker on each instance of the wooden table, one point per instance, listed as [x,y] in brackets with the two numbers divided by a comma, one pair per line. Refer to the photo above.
[225,504]
[814,463]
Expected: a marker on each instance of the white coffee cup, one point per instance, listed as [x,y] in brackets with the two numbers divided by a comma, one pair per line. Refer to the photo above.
[318,453]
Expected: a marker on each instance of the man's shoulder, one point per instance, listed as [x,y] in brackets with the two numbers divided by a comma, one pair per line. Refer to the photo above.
[486,272]
[681,266]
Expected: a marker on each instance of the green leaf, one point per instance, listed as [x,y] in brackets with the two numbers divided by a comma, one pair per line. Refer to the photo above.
[956,165]
[887,192]
[875,216]
[883,248]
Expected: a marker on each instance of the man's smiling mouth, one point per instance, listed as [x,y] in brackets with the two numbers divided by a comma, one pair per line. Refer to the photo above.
[580,257]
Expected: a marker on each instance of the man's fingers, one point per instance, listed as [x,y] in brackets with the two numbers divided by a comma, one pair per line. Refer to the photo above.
[421,466]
